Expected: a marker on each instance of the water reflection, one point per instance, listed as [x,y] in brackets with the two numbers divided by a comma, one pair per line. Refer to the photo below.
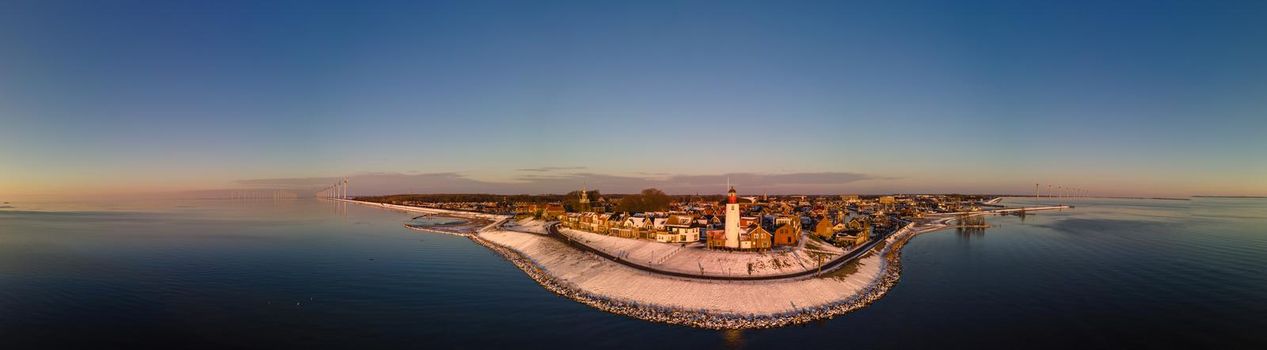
[326,274]
[733,339]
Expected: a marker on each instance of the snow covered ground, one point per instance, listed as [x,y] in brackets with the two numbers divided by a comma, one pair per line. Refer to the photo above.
[413,209]
[599,276]
[526,225]
[696,258]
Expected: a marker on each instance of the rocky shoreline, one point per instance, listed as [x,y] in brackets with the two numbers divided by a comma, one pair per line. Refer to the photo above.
[891,267]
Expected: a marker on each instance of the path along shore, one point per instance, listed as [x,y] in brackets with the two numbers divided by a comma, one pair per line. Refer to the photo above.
[612,287]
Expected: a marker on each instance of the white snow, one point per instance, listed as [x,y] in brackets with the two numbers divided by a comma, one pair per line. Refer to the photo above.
[696,258]
[599,276]
[526,225]
[413,209]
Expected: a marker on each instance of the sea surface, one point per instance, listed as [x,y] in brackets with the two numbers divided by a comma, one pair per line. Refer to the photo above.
[314,274]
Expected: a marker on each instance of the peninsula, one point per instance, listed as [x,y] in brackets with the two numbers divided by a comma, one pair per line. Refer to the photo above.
[700,262]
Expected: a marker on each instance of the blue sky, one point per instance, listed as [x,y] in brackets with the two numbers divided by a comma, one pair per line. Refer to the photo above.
[1125,98]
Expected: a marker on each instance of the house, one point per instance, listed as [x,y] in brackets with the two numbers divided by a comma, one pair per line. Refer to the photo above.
[623,232]
[755,238]
[678,235]
[604,222]
[657,223]
[679,220]
[824,229]
[553,210]
[680,228]
[585,221]
[786,235]
[793,221]
[887,202]
[526,207]
[716,238]
[858,223]
[571,220]
[637,222]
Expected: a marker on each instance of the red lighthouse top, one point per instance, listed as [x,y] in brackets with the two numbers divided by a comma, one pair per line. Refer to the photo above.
[730,198]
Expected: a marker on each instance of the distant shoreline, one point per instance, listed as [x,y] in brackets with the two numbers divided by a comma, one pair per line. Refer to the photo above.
[1095,197]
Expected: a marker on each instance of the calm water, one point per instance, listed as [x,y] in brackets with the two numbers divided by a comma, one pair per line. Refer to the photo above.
[1111,273]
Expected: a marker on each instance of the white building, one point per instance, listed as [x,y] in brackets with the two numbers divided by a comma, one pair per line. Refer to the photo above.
[732,220]
[681,229]
[678,235]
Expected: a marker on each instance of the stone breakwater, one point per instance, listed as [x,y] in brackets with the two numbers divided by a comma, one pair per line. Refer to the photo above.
[891,267]
[432,230]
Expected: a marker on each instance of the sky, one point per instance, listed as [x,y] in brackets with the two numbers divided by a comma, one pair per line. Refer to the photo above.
[1147,98]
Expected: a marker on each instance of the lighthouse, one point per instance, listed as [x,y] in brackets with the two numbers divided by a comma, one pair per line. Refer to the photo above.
[732,219]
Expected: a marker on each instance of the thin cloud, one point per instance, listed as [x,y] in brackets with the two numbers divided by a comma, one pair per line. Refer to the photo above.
[551,168]
[452,182]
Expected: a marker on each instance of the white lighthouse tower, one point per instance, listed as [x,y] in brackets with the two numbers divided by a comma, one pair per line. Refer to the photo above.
[732,219]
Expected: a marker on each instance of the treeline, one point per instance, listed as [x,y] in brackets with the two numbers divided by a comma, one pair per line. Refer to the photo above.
[571,198]
[463,197]
[648,200]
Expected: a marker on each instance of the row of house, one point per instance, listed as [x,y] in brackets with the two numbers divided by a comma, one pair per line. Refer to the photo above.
[686,228]
[669,228]
[758,222]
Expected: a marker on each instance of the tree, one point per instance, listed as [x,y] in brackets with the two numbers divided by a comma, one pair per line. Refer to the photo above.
[655,200]
[630,204]
[648,200]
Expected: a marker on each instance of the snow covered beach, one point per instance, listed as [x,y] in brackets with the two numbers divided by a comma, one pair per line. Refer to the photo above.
[612,287]
[696,259]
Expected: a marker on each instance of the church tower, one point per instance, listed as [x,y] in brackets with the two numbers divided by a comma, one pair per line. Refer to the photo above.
[585,201]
